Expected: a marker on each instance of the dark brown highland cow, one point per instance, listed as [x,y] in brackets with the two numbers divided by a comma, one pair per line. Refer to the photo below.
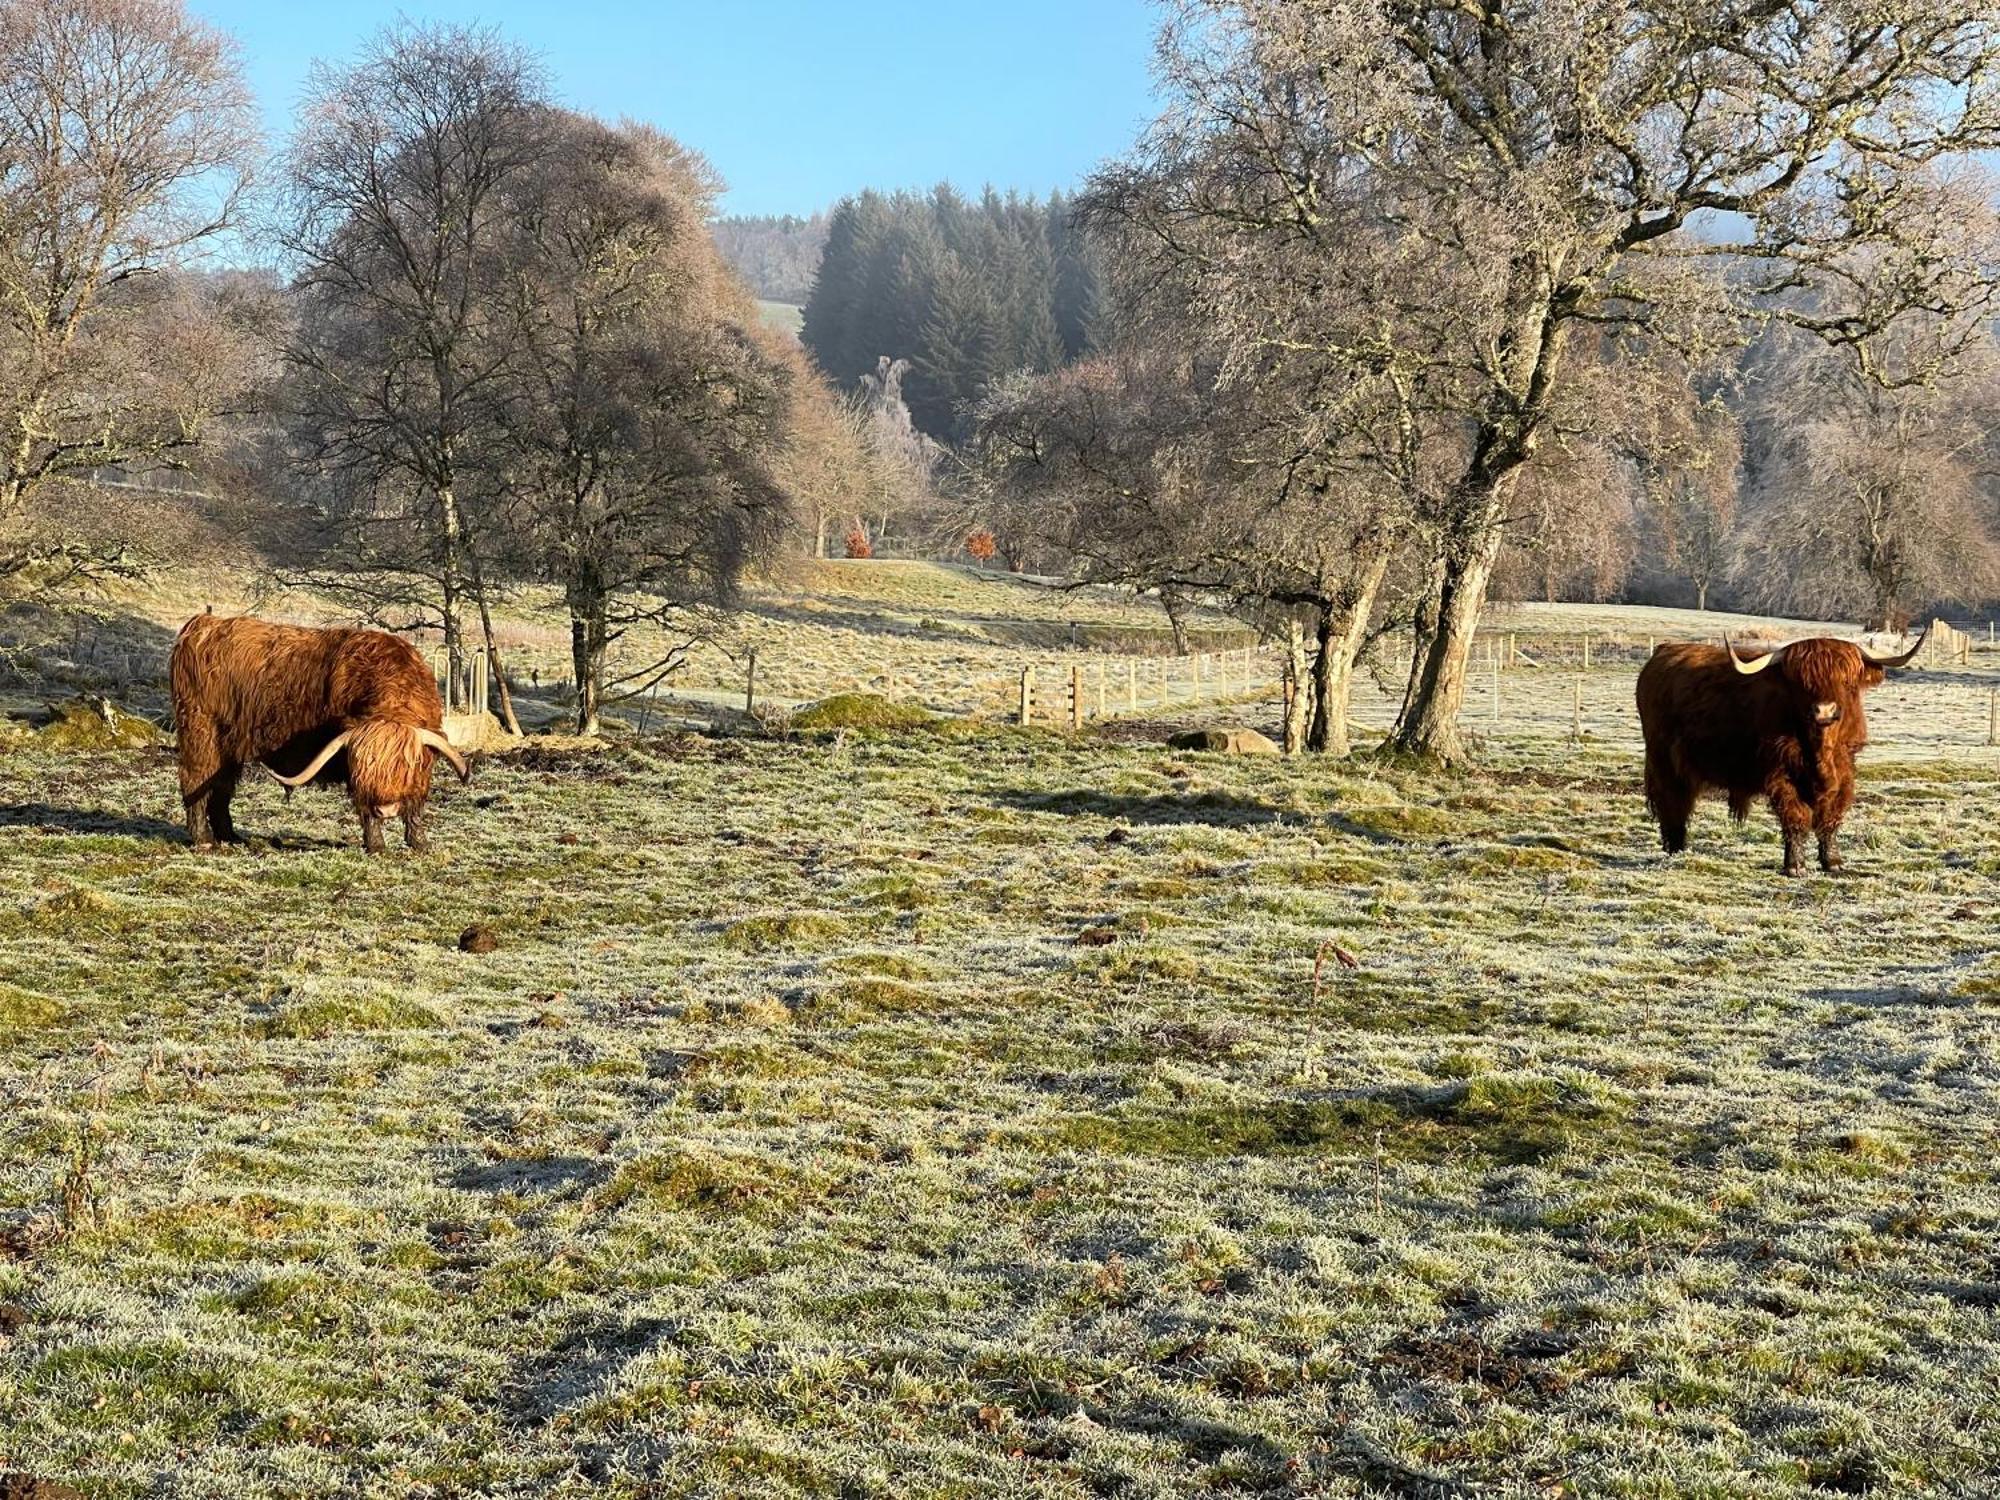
[1784,725]
[342,707]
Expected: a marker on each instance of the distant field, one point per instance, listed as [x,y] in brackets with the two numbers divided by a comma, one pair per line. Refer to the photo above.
[974,1111]
[951,637]
[786,315]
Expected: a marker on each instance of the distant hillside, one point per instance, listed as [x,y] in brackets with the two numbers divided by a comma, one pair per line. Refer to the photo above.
[778,254]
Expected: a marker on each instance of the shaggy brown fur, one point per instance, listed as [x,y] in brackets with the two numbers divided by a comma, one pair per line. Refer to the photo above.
[1789,734]
[247,691]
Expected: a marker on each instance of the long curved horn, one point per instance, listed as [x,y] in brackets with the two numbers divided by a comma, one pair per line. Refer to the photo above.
[332,748]
[1748,668]
[1887,662]
[448,750]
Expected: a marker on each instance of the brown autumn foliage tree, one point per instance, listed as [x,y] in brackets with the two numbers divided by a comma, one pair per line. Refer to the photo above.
[639,410]
[125,134]
[826,462]
[1486,182]
[394,189]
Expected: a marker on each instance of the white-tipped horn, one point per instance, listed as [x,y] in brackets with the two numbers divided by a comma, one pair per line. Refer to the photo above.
[448,750]
[1888,662]
[332,748]
[1748,668]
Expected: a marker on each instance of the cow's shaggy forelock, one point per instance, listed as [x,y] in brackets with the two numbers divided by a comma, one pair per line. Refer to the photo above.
[1828,671]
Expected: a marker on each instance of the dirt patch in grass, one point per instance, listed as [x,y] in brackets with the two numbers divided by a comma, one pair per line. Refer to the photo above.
[28,1487]
[1462,1357]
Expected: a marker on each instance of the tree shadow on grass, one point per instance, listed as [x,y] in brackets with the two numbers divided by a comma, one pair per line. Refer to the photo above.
[46,817]
[1931,986]
[1217,809]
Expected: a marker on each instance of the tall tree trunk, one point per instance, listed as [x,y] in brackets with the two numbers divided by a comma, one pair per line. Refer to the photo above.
[1319,726]
[1429,723]
[495,668]
[1701,596]
[1298,706]
[1343,628]
[1423,628]
[1172,601]
[819,538]
[587,642]
[451,581]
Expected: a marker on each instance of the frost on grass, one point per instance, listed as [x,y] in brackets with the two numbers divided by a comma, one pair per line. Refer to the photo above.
[956,1114]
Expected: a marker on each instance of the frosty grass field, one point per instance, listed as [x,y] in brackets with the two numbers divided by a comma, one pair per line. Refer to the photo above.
[966,1110]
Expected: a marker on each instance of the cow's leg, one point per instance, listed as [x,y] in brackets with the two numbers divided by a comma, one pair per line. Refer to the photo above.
[220,790]
[414,832]
[1829,812]
[200,755]
[371,831]
[1672,801]
[1795,821]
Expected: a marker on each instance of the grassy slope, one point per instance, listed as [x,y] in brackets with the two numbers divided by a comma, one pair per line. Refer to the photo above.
[955,638]
[788,316]
[792,1141]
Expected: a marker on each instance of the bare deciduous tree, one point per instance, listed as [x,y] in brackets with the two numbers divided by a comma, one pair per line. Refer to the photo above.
[125,133]
[1141,467]
[1873,501]
[1494,178]
[394,186]
[640,412]
[826,461]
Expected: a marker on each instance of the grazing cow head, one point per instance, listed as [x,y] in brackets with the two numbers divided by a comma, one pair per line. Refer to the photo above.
[388,764]
[1825,679]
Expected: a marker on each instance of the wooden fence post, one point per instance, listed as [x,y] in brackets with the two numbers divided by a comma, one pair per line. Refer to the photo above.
[1496,692]
[1076,697]
[750,683]
[1576,713]
[1586,651]
[1027,696]
[1993,716]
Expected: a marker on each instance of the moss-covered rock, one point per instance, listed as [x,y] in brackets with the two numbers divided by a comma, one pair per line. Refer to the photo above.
[96,724]
[861,711]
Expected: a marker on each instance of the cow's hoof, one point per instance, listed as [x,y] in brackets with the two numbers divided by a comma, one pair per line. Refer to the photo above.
[1793,872]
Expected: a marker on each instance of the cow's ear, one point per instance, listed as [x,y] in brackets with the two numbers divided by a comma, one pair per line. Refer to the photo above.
[1872,676]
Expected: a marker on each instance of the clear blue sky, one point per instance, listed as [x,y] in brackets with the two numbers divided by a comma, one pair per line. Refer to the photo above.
[795,101]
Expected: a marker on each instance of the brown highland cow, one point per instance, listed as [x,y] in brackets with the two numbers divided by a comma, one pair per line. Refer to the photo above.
[341,707]
[1784,725]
